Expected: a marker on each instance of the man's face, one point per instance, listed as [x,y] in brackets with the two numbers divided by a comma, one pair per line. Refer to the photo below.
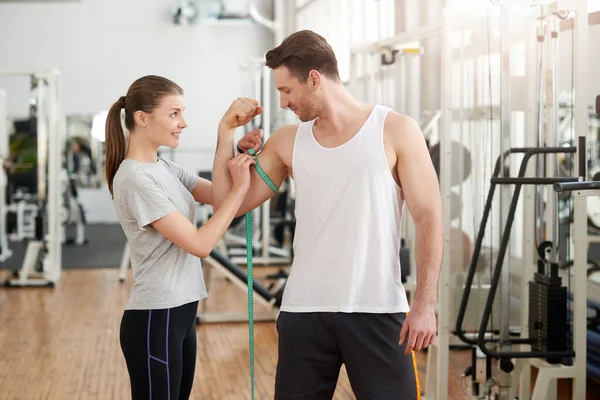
[301,98]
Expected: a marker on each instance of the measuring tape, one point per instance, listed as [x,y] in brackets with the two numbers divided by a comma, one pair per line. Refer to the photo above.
[274,188]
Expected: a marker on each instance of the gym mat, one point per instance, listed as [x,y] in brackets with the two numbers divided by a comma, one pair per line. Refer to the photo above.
[103,250]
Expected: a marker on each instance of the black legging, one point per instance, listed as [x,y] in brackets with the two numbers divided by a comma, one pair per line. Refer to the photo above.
[160,351]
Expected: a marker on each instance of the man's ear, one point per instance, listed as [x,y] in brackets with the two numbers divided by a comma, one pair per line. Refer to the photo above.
[315,79]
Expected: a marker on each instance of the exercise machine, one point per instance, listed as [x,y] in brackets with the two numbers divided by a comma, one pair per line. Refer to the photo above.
[480,121]
[72,214]
[22,211]
[42,264]
[549,300]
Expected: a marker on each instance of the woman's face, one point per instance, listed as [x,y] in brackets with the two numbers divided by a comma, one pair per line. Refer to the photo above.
[166,122]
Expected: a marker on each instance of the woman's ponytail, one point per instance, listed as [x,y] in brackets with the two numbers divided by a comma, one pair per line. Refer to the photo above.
[115,142]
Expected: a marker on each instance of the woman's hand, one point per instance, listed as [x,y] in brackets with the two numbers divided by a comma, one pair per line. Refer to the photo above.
[239,168]
[251,140]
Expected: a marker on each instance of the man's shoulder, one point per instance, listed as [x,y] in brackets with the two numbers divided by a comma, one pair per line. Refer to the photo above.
[287,130]
[398,124]
[281,143]
[285,134]
[395,118]
[402,132]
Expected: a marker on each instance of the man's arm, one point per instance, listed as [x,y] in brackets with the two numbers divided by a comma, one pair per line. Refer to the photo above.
[203,191]
[268,158]
[421,192]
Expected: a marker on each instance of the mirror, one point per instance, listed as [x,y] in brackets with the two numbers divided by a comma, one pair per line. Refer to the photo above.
[84,154]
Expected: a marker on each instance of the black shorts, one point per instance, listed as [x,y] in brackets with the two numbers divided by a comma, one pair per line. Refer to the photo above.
[313,347]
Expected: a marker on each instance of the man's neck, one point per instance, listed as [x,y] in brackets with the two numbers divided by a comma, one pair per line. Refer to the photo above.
[340,110]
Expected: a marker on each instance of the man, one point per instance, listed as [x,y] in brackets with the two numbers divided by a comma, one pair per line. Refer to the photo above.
[354,165]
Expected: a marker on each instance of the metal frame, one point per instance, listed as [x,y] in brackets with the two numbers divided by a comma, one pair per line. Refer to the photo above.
[545,387]
[73,209]
[437,382]
[522,377]
[49,139]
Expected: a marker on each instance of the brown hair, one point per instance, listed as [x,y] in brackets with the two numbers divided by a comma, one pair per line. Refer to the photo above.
[302,52]
[145,95]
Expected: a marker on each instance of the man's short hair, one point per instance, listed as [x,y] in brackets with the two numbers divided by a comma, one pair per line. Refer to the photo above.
[302,52]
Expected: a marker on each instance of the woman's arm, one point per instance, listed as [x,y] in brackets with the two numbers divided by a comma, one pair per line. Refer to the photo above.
[200,242]
[148,203]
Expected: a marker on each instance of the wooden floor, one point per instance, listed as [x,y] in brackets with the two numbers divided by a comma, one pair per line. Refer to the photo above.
[63,343]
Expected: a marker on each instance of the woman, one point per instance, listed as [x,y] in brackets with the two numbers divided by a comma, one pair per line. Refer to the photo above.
[155,200]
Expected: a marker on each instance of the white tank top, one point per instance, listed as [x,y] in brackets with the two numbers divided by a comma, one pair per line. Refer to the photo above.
[348,212]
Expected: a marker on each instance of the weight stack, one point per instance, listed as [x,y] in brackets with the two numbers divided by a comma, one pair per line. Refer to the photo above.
[548,323]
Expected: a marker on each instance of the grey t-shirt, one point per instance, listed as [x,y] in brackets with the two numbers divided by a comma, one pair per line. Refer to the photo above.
[165,275]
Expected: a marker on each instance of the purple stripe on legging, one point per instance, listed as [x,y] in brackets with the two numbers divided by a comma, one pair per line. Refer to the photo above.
[148,339]
[151,357]
[167,347]
[158,359]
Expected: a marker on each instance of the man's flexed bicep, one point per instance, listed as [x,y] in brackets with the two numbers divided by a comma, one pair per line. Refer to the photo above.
[259,191]
[275,159]
[274,168]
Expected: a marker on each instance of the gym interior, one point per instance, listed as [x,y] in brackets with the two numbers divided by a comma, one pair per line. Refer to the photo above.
[506,95]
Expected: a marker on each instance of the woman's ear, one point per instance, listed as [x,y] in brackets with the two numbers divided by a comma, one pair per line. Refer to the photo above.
[141,118]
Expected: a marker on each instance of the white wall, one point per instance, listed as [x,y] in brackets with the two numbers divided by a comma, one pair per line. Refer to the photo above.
[102,46]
